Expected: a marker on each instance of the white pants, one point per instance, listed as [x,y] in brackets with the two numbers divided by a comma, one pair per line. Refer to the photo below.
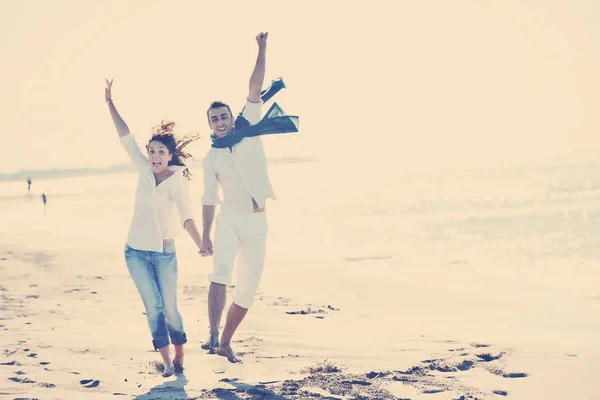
[246,234]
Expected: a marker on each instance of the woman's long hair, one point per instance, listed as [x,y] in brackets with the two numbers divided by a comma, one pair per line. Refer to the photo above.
[163,133]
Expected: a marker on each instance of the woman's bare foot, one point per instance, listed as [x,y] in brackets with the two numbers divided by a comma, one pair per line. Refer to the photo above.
[177,366]
[225,350]
[168,371]
[178,359]
[168,365]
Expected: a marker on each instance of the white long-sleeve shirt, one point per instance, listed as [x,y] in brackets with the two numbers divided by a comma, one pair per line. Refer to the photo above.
[154,215]
[241,171]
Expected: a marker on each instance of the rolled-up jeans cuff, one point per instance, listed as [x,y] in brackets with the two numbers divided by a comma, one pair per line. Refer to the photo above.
[178,338]
[160,342]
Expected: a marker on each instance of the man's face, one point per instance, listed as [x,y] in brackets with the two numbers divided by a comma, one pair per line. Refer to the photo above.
[220,121]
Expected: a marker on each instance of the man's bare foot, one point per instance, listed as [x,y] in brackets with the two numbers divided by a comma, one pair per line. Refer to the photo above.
[211,344]
[225,350]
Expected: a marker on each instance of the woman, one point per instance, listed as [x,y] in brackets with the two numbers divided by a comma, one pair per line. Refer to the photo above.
[150,249]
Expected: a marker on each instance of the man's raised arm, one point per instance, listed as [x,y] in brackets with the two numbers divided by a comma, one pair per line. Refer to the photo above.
[258,75]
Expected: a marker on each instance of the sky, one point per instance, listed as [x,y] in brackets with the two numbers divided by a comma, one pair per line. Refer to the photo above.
[377,84]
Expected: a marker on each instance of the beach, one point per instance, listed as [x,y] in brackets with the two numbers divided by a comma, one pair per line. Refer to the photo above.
[438,285]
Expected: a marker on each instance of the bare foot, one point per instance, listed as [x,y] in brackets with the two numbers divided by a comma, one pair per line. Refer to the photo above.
[178,359]
[211,344]
[178,365]
[225,350]
[169,370]
[167,364]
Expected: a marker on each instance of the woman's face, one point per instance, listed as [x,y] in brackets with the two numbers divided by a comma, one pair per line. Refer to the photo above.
[158,156]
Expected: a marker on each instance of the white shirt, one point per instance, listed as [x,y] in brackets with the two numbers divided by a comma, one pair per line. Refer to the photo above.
[154,215]
[241,171]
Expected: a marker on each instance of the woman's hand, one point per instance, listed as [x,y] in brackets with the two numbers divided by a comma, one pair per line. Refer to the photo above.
[207,248]
[107,91]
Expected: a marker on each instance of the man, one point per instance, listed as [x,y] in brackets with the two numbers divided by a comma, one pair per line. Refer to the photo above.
[241,170]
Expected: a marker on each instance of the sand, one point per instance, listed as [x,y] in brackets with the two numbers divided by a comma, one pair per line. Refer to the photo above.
[379,306]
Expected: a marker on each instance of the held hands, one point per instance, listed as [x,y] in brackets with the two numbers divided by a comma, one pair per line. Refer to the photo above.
[261,39]
[206,249]
[107,91]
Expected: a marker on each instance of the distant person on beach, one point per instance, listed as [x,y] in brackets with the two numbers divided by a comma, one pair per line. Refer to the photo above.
[44,201]
[236,161]
[150,250]
[28,184]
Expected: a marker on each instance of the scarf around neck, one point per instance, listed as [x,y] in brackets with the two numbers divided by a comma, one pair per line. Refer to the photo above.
[274,121]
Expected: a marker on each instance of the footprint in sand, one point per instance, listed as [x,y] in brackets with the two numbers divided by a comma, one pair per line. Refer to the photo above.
[11,363]
[305,312]
[373,374]
[267,382]
[487,357]
[357,382]
[310,310]
[23,380]
[89,383]
[464,365]
[515,375]
[459,349]
[433,391]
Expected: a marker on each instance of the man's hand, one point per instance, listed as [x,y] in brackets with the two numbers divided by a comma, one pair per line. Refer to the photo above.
[206,249]
[261,39]
[258,75]
[107,91]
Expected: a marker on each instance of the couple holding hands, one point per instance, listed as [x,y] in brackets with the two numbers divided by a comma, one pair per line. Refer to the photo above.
[236,162]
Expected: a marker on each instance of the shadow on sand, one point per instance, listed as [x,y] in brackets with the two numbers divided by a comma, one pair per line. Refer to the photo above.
[172,390]
[255,392]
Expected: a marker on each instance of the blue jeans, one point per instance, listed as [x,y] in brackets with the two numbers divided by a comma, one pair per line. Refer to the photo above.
[155,276]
